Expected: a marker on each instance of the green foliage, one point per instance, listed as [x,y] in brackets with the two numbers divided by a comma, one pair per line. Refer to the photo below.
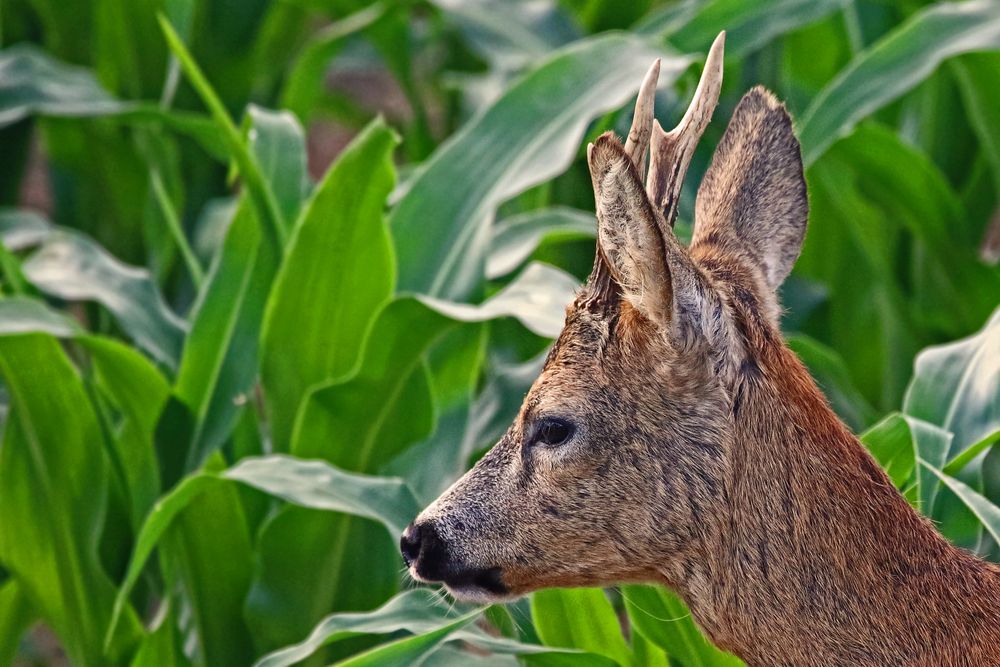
[231,373]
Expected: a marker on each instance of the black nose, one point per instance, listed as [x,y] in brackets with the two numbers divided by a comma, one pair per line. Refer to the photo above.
[422,548]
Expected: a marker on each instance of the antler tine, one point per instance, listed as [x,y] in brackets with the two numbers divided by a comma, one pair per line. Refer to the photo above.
[637,142]
[670,152]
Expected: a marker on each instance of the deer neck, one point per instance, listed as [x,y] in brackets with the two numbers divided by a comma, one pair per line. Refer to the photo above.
[816,558]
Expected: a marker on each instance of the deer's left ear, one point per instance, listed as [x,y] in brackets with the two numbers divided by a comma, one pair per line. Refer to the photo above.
[752,201]
[646,260]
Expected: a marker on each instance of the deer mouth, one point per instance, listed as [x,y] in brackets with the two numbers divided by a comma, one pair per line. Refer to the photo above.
[478,585]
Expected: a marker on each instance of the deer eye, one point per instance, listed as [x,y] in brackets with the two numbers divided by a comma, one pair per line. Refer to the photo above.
[554,431]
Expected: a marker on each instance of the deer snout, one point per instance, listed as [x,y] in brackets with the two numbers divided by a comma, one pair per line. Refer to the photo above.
[430,560]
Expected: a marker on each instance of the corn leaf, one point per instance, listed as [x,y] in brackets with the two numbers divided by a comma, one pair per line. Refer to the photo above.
[337,272]
[529,135]
[894,65]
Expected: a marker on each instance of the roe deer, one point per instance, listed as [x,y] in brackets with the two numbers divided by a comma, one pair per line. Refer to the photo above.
[672,437]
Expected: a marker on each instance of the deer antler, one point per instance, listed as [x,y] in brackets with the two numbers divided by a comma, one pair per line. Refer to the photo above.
[637,142]
[670,152]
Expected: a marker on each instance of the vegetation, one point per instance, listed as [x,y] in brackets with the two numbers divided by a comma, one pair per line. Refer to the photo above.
[228,384]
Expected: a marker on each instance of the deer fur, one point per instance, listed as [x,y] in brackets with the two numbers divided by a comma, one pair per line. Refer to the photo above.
[701,454]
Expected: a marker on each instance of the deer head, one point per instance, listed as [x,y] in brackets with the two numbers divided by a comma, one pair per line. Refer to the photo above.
[615,470]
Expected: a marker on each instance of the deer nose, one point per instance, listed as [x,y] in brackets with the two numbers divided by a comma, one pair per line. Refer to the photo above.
[409,544]
[424,550]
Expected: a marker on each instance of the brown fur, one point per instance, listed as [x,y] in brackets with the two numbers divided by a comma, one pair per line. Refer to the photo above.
[704,456]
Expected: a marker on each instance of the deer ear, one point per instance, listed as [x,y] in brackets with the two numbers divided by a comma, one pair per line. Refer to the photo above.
[628,237]
[642,254]
[752,201]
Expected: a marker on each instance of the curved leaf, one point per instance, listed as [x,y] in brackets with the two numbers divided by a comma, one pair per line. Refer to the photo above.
[537,298]
[67,90]
[71,266]
[337,271]
[409,650]
[899,443]
[985,511]
[748,25]
[416,612]
[580,618]
[312,484]
[53,490]
[516,237]
[955,386]
[529,135]
[279,142]
[894,65]
[662,618]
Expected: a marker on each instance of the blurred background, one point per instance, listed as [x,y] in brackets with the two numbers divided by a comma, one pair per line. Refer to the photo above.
[240,236]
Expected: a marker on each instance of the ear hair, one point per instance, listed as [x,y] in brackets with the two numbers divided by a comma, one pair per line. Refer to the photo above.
[627,232]
[646,260]
[752,202]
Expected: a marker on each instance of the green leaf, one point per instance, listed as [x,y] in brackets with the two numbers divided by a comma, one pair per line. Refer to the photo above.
[952,290]
[513,35]
[748,25]
[71,266]
[34,83]
[337,273]
[955,386]
[138,392]
[67,90]
[417,612]
[899,443]
[580,618]
[278,141]
[517,237]
[317,485]
[662,618]
[346,421]
[127,378]
[537,297]
[357,423]
[970,453]
[455,366]
[53,488]
[530,135]
[312,484]
[408,651]
[894,65]
[850,247]
[16,616]
[210,552]
[219,364]
[977,74]
[985,511]
[163,646]
[260,191]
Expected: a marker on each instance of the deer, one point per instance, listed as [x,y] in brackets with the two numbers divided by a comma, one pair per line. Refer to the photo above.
[673,438]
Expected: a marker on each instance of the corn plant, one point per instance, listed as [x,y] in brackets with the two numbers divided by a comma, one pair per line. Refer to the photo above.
[231,377]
